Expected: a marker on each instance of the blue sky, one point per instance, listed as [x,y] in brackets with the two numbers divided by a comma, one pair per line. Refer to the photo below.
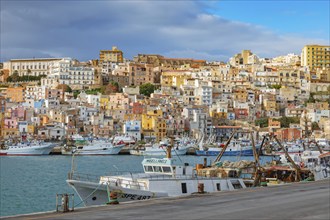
[283,16]
[211,30]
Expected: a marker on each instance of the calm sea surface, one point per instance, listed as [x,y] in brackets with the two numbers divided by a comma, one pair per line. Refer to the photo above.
[30,183]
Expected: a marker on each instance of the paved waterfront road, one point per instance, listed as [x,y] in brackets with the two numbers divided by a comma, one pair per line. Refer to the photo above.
[310,200]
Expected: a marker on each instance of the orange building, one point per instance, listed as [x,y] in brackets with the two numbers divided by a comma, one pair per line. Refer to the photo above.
[15,94]
[288,134]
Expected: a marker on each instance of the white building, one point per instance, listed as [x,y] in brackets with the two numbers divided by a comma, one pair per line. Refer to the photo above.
[133,129]
[57,132]
[66,71]
[94,100]
[22,126]
[52,103]
[107,67]
[35,92]
[205,94]
[31,66]
[86,114]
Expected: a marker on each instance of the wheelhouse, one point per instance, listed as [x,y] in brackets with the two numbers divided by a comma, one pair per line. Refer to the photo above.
[159,166]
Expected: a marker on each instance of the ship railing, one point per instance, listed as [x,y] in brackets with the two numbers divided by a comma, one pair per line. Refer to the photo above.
[132,180]
[131,184]
[83,177]
[96,178]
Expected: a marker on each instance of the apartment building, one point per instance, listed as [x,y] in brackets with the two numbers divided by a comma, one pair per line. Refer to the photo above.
[114,55]
[69,72]
[315,56]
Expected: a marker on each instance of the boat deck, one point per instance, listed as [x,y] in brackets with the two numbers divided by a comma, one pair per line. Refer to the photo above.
[304,200]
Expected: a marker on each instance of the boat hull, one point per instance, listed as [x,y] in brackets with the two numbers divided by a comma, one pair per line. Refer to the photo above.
[112,151]
[94,151]
[92,193]
[157,152]
[248,152]
[28,150]
[97,194]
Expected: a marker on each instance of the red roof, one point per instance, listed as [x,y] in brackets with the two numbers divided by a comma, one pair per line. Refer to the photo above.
[325,155]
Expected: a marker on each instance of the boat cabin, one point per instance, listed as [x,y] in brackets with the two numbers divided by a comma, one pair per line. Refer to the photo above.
[166,166]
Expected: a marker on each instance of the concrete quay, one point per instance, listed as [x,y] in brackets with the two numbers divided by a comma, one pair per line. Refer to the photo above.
[304,200]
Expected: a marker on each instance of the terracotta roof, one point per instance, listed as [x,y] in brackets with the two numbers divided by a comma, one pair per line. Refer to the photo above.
[325,155]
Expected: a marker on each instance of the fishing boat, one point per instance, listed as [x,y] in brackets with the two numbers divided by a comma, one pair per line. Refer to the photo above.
[159,149]
[28,149]
[291,147]
[167,177]
[128,140]
[95,147]
[321,170]
[235,148]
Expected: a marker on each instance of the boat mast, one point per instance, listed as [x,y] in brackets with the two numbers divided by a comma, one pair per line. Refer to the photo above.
[169,148]
[224,148]
[298,177]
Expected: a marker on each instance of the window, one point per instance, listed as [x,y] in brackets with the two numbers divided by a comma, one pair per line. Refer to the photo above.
[184,187]
[167,169]
[157,169]
[148,168]
[218,187]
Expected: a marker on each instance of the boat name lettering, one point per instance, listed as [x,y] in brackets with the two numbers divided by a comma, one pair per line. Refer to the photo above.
[156,161]
[135,197]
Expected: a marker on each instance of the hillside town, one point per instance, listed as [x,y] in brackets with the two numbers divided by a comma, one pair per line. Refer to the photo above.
[152,97]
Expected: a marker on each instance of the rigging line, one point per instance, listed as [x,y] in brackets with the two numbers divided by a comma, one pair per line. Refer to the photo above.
[89,195]
[178,155]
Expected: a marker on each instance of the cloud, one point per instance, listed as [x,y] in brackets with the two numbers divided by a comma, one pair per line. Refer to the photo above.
[80,29]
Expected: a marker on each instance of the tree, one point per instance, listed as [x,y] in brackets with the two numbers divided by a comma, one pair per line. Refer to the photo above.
[112,87]
[286,121]
[64,87]
[315,126]
[14,77]
[147,89]
[262,122]
[276,86]
[311,98]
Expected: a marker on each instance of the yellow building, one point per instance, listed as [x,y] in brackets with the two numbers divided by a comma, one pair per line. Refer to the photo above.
[16,94]
[31,129]
[10,133]
[245,56]
[174,78]
[315,56]
[269,105]
[318,105]
[113,55]
[154,125]
[104,101]
[240,95]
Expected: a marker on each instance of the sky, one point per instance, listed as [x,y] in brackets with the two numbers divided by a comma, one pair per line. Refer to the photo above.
[210,30]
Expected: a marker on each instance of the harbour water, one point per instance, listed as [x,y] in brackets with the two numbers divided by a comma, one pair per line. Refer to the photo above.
[29,183]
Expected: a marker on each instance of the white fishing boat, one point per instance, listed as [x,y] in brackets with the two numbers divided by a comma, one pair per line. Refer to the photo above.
[291,147]
[321,170]
[235,148]
[128,140]
[306,158]
[161,178]
[96,147]
[28,149]
[159,149]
